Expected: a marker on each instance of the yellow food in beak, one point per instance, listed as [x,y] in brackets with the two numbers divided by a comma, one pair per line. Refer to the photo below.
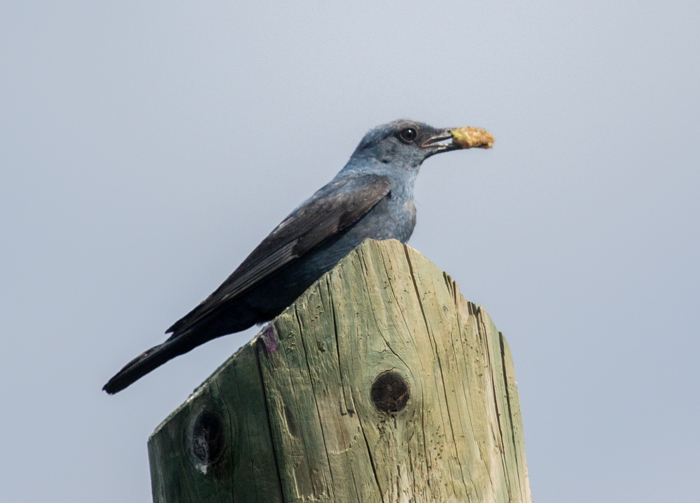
[472,137]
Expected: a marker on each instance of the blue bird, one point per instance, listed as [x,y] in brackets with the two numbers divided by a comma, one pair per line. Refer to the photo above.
[371,197]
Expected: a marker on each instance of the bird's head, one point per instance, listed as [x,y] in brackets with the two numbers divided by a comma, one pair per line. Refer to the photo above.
[408,143]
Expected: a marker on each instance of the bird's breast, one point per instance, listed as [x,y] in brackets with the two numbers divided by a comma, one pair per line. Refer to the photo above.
[411,208]
[406,221]
[393,218]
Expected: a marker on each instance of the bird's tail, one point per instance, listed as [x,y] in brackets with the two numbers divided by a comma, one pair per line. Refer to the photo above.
[147,361]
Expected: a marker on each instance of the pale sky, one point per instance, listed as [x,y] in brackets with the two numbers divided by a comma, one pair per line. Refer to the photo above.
[147,147]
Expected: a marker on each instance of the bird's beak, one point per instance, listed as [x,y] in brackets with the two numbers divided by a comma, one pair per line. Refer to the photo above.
[464,137]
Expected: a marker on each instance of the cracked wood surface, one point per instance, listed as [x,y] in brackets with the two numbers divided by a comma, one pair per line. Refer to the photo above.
[294,417]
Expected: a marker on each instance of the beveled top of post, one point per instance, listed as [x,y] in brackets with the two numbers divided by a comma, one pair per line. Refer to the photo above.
[381,383]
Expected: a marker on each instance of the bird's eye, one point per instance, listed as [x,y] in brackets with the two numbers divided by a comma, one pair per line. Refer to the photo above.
[408,135]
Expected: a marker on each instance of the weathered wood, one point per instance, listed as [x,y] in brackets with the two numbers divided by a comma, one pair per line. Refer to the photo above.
[290,417]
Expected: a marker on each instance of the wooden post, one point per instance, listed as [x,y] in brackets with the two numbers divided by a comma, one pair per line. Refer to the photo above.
[380,384]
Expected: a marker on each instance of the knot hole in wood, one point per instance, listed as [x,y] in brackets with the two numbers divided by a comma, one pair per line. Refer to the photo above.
[208,437]
[390,392]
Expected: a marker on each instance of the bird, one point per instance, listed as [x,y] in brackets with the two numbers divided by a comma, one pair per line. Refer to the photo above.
[371,197]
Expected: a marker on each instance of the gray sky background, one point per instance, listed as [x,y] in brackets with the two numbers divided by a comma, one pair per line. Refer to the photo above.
[147,147]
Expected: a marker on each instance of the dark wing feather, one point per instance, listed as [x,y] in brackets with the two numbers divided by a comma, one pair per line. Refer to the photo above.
[332,209]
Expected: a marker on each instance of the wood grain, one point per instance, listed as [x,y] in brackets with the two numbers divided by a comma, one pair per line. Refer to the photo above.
[297,413]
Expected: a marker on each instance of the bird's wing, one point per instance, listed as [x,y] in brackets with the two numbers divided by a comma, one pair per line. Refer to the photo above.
[331,210]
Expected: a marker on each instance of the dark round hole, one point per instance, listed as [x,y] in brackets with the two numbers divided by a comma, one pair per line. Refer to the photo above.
[208,437]
[390,392]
